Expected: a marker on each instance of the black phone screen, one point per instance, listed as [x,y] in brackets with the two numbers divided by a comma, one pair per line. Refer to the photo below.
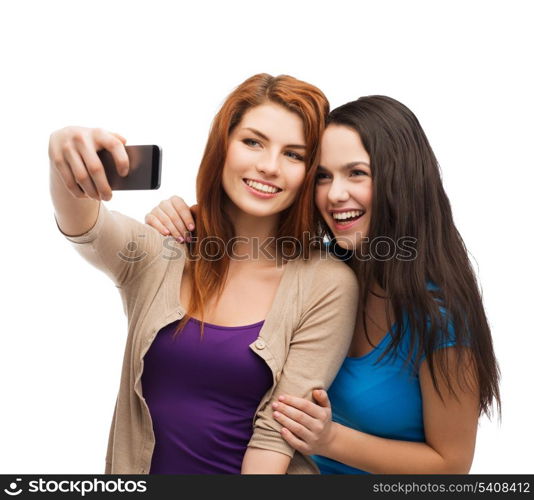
[145,168]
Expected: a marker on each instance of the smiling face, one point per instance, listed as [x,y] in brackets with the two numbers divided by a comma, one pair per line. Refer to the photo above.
[265,161]
[344,186]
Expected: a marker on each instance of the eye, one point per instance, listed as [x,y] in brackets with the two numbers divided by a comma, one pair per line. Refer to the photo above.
[357,172]
[321,176]
[251,142]
[294,156]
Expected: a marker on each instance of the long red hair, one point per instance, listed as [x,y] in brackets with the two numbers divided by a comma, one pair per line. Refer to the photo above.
[296,222]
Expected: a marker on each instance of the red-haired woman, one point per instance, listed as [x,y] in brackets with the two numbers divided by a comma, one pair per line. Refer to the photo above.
[421,367]
[220,327]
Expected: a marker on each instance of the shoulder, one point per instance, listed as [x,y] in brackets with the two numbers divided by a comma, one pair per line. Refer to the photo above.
[324,267]
[323,277]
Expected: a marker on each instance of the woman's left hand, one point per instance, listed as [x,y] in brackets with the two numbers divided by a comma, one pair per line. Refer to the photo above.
[307,427]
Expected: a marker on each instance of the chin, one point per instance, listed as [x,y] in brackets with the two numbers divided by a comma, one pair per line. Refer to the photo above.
[255,211]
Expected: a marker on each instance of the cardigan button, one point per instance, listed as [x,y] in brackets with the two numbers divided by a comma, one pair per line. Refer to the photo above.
[260,344]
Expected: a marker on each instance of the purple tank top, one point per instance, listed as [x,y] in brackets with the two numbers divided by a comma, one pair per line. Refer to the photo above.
[202,395]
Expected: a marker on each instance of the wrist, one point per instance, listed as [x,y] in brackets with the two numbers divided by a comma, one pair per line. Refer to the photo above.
[326,449]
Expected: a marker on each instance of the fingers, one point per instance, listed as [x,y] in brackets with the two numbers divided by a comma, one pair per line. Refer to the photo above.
[321,396]
[174,225]
[173,215]
[68,179]
[295,415]
[295,427]
[172,220]
[302,404]
[120,137]
[295,442]
[80,173]
[153,221]
[115,146]
[57,148]
[95,168]
[184,212]
[73,154]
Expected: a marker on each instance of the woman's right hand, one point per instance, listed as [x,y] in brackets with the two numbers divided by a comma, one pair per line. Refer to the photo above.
[73,155]
[174,217]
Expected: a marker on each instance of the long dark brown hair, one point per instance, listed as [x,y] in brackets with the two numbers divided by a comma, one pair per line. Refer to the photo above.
[310,104]
[437,289]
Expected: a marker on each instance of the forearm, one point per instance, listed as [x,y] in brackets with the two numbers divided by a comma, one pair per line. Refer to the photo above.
[388,456]
[75,216]
[258,461]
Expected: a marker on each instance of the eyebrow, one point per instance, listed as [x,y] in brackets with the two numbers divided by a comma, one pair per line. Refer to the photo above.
[348,166]
[265,138]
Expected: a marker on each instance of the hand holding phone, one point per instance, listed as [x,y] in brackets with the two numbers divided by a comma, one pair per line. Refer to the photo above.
[84,158]
[73,157]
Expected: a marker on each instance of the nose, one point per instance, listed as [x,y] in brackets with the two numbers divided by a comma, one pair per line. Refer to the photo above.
[338,192]
[268,164]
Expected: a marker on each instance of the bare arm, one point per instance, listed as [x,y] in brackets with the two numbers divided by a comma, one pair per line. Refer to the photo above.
[77,179]
[450,431]
[258,461]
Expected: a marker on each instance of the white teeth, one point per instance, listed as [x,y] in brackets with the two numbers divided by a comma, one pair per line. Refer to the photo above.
[347,215]
[261,187]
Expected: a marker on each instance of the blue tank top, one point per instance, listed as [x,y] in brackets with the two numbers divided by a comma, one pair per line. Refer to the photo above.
[202,394]
[383,399]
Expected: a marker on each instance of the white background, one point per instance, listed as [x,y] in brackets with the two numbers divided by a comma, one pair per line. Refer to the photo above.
[156,72]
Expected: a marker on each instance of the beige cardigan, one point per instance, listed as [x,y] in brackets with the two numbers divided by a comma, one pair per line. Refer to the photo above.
[303,340]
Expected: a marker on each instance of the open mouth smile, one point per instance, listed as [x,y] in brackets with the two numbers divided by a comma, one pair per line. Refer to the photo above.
[262,189]
[346,218]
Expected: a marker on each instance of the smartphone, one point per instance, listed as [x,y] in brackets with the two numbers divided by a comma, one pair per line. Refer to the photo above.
[145,168]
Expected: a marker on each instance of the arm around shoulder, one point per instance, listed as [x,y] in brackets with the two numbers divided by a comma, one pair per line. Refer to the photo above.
[318,345]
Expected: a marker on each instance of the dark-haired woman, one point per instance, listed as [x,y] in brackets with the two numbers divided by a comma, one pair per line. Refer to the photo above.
[421,368]
[213,341]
